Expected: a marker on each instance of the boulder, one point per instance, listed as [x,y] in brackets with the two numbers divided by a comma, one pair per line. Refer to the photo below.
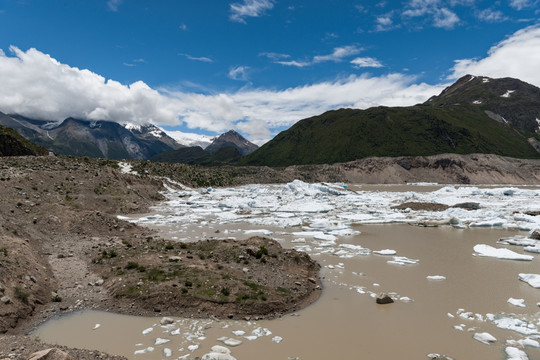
[50,354]
[174,258]
[535,234]
[384,299]
[6,300]
[166,321]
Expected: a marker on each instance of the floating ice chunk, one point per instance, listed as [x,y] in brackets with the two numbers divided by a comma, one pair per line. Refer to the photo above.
[239,332]
[402,260]
[533,249]
[160,341]
[504,254]
[460,327]
[436,277]
[259,231]
[385,252]
[514,353]
[485,338]
[251,337]
[450,315]
[232,342]
[518,240]
[144,351]
[167,352]
[277,339]
[529,342]
[405,299]
[97,326]
[218,353]
[517,302]
[531,279]
[517,325]
[259,332]
[175,332]
[147,331]
[325,237]
[193,347]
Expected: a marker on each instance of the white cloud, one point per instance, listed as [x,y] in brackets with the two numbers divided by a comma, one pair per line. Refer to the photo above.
[114,4]
[522,4]
[195,58]
[441,16]
[338,54]
[384,23]
[492,16]
[38,86]
[183,27]
[249,8]
[444,18]
[517,56]
[362,62]
[239,73]
[275,56]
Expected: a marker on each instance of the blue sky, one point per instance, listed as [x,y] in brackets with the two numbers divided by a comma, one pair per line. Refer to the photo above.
[257,66]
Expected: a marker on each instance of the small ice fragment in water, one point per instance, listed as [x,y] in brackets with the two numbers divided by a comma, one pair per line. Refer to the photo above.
[261,332]
[192,348]
[277,339]
[402,260]
[97,326]
[436,277]
[232,342]
[175,332]
[385,252]
[239,332]
[147,331]
[144,351]
[160,341]
[167,352]
[485,338]
[517,302]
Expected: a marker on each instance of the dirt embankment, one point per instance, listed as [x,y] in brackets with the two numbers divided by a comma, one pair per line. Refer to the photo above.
[442,169]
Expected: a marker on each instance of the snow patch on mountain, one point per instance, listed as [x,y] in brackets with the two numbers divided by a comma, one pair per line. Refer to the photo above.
[190,139]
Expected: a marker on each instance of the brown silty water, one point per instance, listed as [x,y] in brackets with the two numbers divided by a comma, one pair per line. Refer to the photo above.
[346,322]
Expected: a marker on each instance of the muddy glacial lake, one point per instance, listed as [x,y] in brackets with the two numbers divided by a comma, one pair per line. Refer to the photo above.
[448,296]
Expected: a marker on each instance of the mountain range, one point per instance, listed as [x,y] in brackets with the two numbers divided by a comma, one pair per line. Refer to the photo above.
[107,139]
[477,114]
[474,115]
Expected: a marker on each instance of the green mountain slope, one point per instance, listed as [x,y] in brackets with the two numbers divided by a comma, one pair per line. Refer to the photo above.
[13,144]
[441,125]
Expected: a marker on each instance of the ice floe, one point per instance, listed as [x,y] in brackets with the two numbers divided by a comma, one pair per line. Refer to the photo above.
[517,302]
[485,338]
[385,252]
[402,260]
[509,323]
[436,277]
[514,353]
[504,254]
[531,279]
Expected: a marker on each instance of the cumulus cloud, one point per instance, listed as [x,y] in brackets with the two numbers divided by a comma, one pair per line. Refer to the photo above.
[362,62]
[489,15]
[36,85]
[249,8]
[521,4]
[517,56]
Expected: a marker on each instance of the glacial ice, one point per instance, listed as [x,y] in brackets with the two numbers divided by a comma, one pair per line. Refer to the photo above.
[485,338]
[514,353]
[531,279]
[436,277]
[385,252]
[517,302]
[505,254]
